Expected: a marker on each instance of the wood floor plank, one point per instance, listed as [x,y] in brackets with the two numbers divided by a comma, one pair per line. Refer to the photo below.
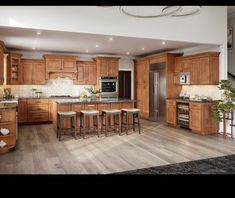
[38,151]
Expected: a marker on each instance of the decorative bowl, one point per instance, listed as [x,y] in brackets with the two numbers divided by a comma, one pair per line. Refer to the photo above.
[4,131]
[2,143]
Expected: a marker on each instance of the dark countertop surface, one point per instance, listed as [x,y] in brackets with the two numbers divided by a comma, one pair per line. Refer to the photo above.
[4,106]
[191,100]
[84,101]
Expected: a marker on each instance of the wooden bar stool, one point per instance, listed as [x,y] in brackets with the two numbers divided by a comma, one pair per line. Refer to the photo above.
[136,119]
[117,123]
[91,114]
[72,130]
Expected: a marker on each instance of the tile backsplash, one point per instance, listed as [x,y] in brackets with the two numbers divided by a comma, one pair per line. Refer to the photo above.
[202,90]
[59,86]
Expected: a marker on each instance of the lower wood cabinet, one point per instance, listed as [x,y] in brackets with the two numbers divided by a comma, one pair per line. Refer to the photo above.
[171,112]
[200,118]
[34,110]
[8,120]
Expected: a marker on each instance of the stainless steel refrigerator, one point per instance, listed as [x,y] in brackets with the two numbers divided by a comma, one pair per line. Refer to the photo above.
[157,94]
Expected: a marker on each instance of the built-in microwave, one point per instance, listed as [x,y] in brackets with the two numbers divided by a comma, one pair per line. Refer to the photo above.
[185,78]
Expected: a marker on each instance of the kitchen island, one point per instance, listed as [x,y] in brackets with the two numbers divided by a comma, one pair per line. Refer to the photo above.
[77,105]
[8,122]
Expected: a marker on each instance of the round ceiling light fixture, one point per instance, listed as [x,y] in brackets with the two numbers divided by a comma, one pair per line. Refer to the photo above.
[185,10]
[149,11]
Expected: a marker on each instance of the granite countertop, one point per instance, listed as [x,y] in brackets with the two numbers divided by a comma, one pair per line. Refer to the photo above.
[78,100]
[191,100]
[4,106]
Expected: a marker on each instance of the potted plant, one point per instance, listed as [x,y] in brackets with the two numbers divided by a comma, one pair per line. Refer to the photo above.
[226,103]
[92,92]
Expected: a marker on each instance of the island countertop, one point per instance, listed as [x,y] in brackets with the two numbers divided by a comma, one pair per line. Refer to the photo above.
[87,101]
[4,106]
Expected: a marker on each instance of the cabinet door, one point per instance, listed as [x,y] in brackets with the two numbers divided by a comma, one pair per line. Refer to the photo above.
[81,74]
[214,70]
[195,117]
[69,64]
[104,65]
[27,72]
[171,112]
[186,65]
[204,71]
[91,75]
[141,72]
[113,68]
[195,72]
[53,64]
[50,111]
[141,100]
[39,73]
[178,66]
[22,111]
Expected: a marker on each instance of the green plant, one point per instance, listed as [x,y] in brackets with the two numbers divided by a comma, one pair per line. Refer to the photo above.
[226,103]
[91,90]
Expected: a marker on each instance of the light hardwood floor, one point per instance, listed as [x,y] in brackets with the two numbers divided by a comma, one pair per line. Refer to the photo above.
[38,150]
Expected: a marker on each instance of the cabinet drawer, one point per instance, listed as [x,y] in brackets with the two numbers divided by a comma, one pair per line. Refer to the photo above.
[7,116]
[38,108]
[115,106]
[127,105]
[38,117]
[90,107]
[37,101]
[9,139]
[195,106]
[104,106]
[77,107]
[10,127]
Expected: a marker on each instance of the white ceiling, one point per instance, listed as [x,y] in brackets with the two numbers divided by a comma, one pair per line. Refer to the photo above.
[58,41]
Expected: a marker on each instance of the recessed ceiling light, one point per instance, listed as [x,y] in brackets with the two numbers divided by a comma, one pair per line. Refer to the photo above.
[110,38]
[143,48]
[87,51]
[127,53]
[38,33]
[33,48]
[163,42]
[96,45]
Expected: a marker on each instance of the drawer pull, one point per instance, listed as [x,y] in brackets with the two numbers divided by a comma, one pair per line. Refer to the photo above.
[90,105]
[0,116]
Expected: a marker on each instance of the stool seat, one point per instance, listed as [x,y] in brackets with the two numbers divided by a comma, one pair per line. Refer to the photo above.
[131,110]
[112,111]
[67,113]
[90,112]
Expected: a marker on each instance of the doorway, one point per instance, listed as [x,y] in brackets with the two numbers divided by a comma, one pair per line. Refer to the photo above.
[124,85]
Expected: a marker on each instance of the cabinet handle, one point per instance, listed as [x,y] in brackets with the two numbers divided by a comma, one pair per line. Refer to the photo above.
[0,116]
[90,105]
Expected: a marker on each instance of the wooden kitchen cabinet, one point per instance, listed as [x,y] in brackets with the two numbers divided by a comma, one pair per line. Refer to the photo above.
[32,71]
[8,120]
[195,72]
[22,111]
[38,110]
[200,118]
[107,66]
[2,50]
[86,73]
[171,112]
[13,68]
[50,110]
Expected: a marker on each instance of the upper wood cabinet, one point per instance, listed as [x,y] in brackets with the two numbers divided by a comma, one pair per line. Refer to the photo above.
[107,66]
[203,68]
[60,66]
[59,62]
[2,49]
[13,68]
[32,71]
[86,73]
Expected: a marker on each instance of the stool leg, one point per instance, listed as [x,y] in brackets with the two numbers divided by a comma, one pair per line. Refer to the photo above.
[133,115]
[122,115]
[80,128]
[138,121]
[71,128]
[84,126]
[97,125]
[127,123]
[114,123]
[75,126]
[102,121]
[60,123]
[119,123]
[106,124]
